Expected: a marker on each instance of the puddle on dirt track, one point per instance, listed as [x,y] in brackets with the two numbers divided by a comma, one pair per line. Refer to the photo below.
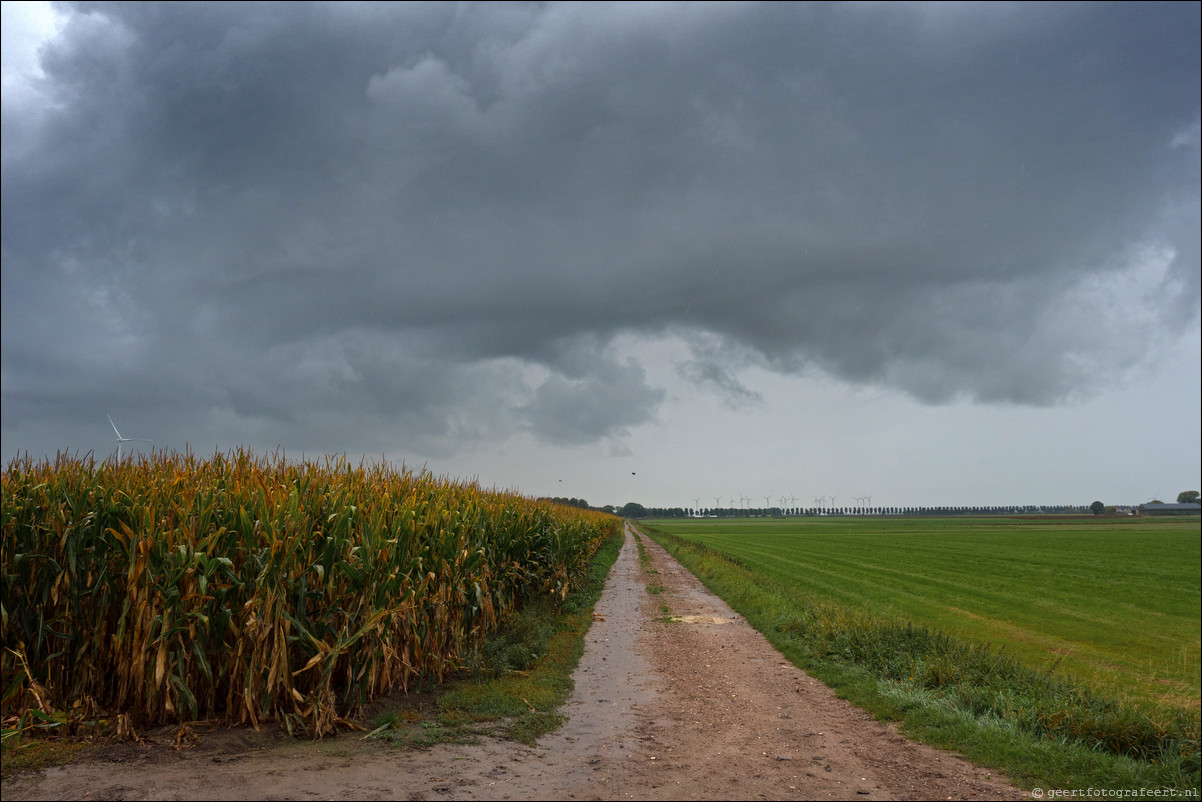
[699,619]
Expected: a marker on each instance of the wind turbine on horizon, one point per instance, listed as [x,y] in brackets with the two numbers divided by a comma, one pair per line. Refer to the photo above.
[121,439]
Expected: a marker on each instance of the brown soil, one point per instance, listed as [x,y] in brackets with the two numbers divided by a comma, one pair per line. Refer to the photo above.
[699,708]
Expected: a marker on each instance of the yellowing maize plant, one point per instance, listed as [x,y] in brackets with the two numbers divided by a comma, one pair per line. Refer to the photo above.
[252,588]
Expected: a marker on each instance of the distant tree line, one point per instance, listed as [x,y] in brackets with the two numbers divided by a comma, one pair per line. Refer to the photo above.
[634,510]
[568,502]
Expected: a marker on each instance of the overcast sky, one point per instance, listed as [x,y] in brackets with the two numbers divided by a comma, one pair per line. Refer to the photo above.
[931,253]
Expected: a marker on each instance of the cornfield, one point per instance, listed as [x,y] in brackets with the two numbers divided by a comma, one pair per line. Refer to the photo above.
[248,589]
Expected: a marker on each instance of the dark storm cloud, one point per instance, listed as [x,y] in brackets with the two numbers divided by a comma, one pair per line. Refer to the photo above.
[603,400]
[711,367]
[428,222]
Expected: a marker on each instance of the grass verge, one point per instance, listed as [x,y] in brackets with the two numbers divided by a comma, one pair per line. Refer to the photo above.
[33,755]
[1045,731]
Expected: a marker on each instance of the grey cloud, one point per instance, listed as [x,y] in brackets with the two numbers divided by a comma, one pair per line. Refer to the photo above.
[720,379]
[391,211]
[603,402]
[715,364]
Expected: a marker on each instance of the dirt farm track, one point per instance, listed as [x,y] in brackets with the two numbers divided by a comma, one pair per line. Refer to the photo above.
[704,708]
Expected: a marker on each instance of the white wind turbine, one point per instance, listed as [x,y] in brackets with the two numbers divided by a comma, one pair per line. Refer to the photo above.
[121,439]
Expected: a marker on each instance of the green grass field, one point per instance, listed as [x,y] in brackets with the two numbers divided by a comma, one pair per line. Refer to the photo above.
[1114,603]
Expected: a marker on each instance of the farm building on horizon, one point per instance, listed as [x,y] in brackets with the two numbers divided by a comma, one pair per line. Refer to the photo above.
[1170,509]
